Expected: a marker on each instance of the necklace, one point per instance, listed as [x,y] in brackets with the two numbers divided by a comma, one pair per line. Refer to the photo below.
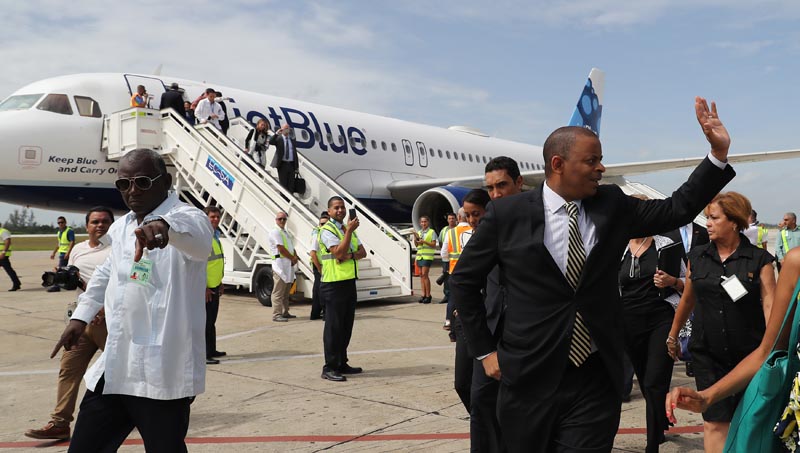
[634,254]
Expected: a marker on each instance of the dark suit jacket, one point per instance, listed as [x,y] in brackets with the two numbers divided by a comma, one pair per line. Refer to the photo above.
[174,99]
[540,304]
[699,236]
[277,141]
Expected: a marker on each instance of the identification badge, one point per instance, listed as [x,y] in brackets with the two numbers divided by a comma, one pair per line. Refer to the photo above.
[733,287]
[141,271]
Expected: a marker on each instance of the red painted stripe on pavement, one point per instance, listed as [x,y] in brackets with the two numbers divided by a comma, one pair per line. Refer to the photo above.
[325,439]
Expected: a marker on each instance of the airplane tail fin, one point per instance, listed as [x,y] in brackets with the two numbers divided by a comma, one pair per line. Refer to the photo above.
[590,105]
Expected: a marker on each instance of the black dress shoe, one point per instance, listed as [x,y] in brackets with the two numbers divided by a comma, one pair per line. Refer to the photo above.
[288,316]
[15,288]
[426,300]
[333,376]
[212,361]
[314,318]
[347,369]
[219,354]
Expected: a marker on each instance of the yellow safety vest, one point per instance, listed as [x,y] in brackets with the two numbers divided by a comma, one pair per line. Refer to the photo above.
[425,252]
[332,269]
[762,230]
[443,234]
[63,240]
[215,269]
[8,252]
[454,246]
[785,238]
[285,241]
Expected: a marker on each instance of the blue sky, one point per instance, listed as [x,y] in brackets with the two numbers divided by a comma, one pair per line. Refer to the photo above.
[511,68]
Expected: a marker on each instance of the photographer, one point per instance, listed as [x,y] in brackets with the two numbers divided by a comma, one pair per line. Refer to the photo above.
[86,256]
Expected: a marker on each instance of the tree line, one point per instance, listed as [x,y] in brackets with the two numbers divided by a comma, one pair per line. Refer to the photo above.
[23,221]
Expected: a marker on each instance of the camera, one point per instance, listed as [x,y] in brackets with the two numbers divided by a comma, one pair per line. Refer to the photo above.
[63,277]
[440,281]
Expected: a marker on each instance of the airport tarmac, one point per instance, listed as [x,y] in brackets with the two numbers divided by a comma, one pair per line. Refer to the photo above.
[267,394]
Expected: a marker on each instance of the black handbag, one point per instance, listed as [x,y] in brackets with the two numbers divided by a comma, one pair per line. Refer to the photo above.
[299,184]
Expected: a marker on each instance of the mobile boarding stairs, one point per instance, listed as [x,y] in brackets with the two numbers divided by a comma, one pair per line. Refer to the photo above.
[212,169]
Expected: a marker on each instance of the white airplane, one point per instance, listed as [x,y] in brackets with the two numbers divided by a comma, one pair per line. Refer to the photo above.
[50,134]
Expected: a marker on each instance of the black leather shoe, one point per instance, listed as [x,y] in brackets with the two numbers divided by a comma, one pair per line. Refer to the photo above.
[212,361]
[219,354]
[288,316]
[333,376]
[314,318]
[16,288]
[347,369]
[426,300]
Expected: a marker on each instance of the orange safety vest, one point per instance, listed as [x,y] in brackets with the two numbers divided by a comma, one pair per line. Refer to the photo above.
[454,245]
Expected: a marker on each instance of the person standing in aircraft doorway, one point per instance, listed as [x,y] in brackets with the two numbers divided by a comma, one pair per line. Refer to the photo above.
[285,159]
[208,111]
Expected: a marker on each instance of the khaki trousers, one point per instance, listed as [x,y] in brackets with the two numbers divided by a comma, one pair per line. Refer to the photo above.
[73,366]
[280,296]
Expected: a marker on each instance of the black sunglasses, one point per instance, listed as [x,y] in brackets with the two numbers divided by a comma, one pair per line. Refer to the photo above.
[141,183]
[280,218]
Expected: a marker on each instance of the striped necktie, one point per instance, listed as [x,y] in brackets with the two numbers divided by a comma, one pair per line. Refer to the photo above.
[581,345]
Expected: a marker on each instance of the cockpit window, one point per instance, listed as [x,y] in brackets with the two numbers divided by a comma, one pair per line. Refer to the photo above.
[88,107]
[57,103]
[20,102]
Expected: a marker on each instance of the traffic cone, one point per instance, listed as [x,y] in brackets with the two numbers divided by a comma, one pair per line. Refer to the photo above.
[416,269]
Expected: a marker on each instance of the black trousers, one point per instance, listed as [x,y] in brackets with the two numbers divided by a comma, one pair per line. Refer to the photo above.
[644,342]
[286,175]
[212,310]
[463,365]
[339,299]
[5,263]
[484,428]
[316,302]
[581,415]
[105,421]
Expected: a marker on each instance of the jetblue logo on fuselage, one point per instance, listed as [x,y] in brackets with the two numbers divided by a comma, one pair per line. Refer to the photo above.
[336,138]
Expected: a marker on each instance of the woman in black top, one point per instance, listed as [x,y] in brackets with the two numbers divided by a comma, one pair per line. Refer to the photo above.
[649,296]
[724,331]
[259,136]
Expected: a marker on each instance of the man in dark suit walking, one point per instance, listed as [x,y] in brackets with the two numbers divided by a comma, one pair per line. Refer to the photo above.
[559,360]
[285,158]
[173,98]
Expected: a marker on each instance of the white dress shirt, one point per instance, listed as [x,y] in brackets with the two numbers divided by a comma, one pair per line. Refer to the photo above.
[281,266]
[205,109]
[156,331]
[556,227]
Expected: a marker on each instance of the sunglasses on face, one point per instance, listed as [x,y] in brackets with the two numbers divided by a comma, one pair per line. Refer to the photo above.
[141,183]
[280,219]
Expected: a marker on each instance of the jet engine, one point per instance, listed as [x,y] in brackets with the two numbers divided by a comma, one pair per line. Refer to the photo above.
[436,203]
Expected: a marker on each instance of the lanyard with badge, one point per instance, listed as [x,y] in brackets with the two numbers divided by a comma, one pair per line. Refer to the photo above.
[733,286]
[141,271]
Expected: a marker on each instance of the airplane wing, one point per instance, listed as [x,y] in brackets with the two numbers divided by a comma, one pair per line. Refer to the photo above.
[628,169]
[411,188]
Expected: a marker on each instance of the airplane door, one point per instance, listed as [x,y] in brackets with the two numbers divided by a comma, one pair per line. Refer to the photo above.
[408,152]
[423,156]
[154,86]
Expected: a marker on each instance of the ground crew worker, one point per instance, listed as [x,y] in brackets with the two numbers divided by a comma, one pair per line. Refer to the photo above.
[452,221]
[215,270]
[425,240]
[317,309]
[66,240]
[339,249]
[788,238]
[5,261]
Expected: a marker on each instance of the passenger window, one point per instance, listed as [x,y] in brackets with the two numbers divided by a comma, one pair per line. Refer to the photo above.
[87,107]
[317,136]
[470,157]
[440,152]
[20,102]
[56,103]
[383,145]
[455,156]
[463,157]
[484,159]
[431,151]
[305,135]
[374,144]
[394,147]
[352,142]
[448,154]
